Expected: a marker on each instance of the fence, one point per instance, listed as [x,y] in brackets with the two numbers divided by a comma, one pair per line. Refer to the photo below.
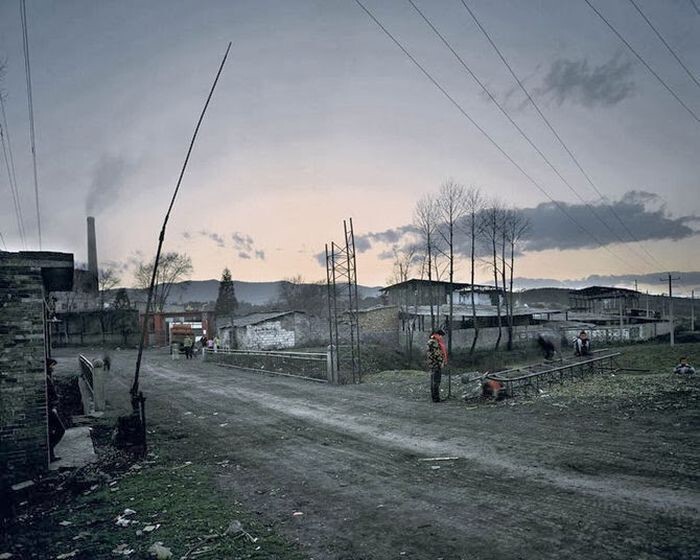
[314,366]
[534,376]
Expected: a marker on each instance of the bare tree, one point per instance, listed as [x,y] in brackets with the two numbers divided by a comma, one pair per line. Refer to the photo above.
[173,267]
[404,260]
[492,224]
[425,218]
[107,279]
[474,203]
[516,228]
[297,295]
[452,206]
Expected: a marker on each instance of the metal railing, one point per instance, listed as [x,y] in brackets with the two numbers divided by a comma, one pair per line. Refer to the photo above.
[533,376]
[313,366]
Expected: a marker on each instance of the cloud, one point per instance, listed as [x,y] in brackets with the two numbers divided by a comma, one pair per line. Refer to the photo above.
[187,235]
[643,213]
[260,254]
[108,181]
[243,255]
[242,242]
[578,82]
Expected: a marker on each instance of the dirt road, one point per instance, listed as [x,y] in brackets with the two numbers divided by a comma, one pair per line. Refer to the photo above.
[544,479]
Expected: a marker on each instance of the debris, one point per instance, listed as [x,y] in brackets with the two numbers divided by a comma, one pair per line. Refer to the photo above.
[22,485]
[70,554]
[5,556]
[122,521]
[234,527]
[128,511]
[123,550]
[159,551]
[439,459]
[435,467]
[298,513]
[65,523]
[151,528]
[223,425]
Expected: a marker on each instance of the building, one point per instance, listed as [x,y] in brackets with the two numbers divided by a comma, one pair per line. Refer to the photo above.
[419,292]
[161,323]
[273,331]
[27,280]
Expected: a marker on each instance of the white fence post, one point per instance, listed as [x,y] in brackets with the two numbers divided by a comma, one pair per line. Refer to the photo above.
[330,365]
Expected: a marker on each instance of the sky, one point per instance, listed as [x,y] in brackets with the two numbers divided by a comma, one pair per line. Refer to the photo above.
[319,117]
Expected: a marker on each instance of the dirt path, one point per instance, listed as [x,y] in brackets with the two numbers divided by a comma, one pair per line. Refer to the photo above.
[530,482]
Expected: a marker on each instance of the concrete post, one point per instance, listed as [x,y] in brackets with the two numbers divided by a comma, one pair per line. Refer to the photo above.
[330,365]
[98,381]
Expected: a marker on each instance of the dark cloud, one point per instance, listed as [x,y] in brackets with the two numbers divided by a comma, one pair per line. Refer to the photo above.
[579,82]
[213,236]
[642,212]
[187,235]
[243,255]
[108,180]
[260,254]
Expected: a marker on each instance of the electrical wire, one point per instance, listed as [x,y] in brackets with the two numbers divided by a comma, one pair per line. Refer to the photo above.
[527,138]
[644,62]
[556,134]
[486,134]
[665,43]
[9,164]
[30,105]
[3,241]
[694,5]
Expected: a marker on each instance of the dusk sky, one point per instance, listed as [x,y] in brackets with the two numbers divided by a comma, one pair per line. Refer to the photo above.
[319,116]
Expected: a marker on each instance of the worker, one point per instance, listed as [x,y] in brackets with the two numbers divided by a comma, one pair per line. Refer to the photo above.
[187,346]
[56,428]
[582,344]
[684,367]
[436,358]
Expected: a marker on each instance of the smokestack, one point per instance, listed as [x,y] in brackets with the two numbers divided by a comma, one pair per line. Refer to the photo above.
[92,251]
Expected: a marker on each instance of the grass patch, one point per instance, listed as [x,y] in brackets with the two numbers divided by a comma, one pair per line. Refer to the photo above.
[178,497]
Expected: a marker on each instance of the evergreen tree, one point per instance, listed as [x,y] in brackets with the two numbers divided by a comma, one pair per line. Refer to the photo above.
[121,299]
[226,302]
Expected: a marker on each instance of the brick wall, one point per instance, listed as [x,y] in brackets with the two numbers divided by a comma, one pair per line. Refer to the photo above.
[23,422]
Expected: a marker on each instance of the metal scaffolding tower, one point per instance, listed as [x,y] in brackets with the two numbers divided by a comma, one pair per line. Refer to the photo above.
[343,301]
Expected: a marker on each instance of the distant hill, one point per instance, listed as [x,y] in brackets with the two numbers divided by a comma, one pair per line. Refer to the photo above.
[255,293]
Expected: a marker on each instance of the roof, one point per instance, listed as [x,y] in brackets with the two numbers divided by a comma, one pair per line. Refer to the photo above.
[603,291]
[257,318]
[56,268]
[420,281]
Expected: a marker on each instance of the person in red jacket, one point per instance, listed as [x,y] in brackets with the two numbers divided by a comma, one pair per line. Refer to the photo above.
[436,359]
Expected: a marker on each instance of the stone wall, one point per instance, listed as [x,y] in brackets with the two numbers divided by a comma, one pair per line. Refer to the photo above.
[275,334]
[23,416]
[85,328]
[379,325]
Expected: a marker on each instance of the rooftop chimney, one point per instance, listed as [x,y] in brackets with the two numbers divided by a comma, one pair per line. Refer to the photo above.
[92,251]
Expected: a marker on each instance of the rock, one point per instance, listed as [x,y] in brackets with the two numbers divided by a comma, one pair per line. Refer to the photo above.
[160,552]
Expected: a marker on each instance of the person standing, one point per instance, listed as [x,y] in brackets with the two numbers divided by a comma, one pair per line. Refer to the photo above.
[56,428]
[187,346]
[436,358]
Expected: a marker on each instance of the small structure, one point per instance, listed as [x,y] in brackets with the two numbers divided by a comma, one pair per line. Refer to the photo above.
[272,331]
[26,280]
[160,325]
[420,292]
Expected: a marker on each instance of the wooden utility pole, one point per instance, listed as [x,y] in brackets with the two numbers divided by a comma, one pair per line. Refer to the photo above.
[622,322]
[647,300]
[692,310]
[670,303]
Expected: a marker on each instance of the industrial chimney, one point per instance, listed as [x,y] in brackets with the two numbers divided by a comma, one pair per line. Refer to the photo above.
[92,252]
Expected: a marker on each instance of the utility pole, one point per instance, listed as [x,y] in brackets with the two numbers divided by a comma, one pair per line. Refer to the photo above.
[692,310]
[647,299]
[622,322]
[671,280]
[636,287]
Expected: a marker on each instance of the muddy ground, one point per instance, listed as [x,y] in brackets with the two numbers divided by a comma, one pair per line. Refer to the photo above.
[342,470]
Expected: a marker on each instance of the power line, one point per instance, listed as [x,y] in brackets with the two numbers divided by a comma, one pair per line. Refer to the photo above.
[483,132]
[3,241]
[668,47]
[517,127]
[644,62]
[9,164]
[30,104]
[694,5]
[553,130]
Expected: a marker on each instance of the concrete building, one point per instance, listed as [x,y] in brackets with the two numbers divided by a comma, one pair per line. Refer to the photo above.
[160,325]
[26,282]
[273,331]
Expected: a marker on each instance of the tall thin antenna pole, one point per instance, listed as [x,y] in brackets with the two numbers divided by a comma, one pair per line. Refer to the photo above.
[161,238]
[670,303]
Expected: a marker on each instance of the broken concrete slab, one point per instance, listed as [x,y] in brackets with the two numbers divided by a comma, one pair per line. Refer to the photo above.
[75,449]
